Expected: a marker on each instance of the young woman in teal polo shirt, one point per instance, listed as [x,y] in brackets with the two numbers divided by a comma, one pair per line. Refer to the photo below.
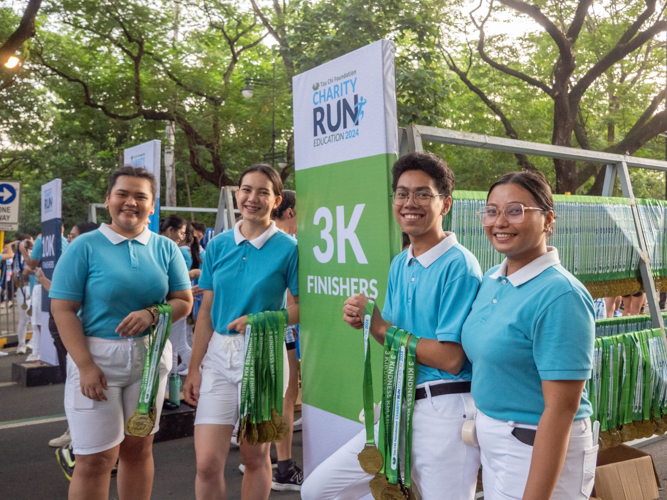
[110,277]
[246,271]
[530,337]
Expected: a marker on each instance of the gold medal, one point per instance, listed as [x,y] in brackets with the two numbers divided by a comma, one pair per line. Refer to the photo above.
[377,485]
[605,440]
[279,425]
[370,459]
[270,431]
[393,492]
[190,321]
[628,433]
[648,428]
[262,433]
[140,425]
[24,306]
[616,437]
[660,426]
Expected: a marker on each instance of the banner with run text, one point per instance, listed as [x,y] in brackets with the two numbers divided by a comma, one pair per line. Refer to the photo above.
[51,250]
[346,141]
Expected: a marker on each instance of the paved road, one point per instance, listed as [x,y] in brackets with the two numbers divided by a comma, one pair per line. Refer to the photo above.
[29,468]
[29,417]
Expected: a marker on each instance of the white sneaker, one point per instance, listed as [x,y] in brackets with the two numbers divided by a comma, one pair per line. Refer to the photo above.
[2,353]
[33,357]
[63,440]
[297,425]
[29,344]
[21,349]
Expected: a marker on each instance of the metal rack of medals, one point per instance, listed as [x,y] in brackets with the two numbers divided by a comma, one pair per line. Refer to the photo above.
[598,242]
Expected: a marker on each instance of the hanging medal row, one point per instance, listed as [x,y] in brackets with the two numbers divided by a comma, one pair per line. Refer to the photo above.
[624,324]
[628,387]
[595,237]
[262,383]
[392,471]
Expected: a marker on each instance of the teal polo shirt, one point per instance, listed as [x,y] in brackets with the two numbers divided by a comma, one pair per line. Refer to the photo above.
[112,276]
[186,255]
[248,277]
[537,324]
[430,296]
[37,254]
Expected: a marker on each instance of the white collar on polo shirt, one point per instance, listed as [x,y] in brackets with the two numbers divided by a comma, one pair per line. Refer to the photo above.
[258,242]
[529,271]
[433,254]
[116,238]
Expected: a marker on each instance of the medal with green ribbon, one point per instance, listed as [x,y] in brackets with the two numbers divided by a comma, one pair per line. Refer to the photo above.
[370,457]
[142,422]
[399,380]
[262,381]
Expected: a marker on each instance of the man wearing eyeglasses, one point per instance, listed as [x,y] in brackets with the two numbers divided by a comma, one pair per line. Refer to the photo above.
[430,291]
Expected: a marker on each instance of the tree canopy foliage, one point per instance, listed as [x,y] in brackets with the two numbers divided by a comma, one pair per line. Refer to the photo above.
[102,75]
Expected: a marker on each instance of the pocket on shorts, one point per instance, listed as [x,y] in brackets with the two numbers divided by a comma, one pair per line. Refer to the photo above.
[590,462]
[81,402]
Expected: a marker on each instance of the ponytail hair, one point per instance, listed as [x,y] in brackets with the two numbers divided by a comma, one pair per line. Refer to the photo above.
[194,246]
[174,221]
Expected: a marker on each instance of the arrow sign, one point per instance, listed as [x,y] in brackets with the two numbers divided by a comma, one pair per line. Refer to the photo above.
[7,194]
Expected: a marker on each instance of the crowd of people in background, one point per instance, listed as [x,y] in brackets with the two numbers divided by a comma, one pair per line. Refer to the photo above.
[85,296]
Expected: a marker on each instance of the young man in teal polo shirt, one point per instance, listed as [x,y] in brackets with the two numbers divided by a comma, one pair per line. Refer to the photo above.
[431,288]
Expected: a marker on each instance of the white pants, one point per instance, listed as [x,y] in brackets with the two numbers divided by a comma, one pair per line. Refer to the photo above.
[442,465]
[506,461]
[178,337]
[98,426]
[36,319]
[22,297]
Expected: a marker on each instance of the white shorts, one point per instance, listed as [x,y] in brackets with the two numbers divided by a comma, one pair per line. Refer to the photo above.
[36,306]
[441,462]
[97,426]
[221,373]
[506,461]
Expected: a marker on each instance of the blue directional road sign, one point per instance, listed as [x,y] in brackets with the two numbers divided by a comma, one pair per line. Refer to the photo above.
[7,194]
[10,201]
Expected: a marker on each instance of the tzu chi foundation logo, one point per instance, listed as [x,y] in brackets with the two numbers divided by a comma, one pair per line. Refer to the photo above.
[338,109]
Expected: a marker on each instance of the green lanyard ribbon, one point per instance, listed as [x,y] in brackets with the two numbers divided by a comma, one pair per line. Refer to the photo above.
[141,423]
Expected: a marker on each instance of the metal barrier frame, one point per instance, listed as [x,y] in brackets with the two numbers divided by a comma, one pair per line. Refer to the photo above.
[412,137]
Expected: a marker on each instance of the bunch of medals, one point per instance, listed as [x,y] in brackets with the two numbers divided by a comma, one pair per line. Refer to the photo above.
[595,236]
[628,388]
[624,324]
[262,382]
[142,422]
[398,400]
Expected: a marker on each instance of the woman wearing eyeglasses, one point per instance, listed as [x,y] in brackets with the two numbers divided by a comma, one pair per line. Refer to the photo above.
[530,337]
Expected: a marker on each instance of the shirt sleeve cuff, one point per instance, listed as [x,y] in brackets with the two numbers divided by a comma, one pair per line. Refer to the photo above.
[565,374]
[294,291]
[448,337]
[205,286]
[65,296]
[179,287]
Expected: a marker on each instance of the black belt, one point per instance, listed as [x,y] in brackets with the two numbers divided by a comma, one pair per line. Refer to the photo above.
[446,388]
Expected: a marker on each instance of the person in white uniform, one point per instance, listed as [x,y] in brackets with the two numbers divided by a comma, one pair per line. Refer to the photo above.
[530,337]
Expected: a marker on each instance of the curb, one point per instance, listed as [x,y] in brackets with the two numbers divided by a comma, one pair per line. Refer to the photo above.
[12,340]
